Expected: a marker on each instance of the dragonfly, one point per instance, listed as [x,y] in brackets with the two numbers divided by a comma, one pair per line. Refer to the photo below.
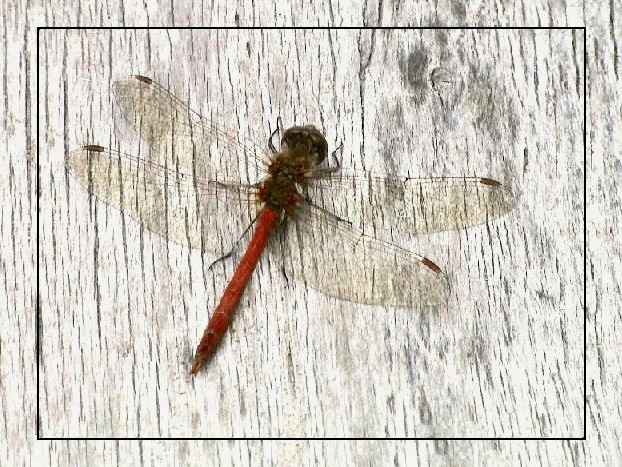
[206,187]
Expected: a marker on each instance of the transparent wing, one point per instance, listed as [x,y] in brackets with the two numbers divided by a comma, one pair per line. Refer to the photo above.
[187,139]
[419,205]
[171,202]
[331,256]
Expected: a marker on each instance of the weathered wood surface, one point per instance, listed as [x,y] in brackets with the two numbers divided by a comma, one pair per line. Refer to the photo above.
[122,309]
[436,103]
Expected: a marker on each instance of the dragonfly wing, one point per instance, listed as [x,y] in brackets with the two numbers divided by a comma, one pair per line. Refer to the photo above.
[189,140]
[328,254]
[172,203]
[419,205]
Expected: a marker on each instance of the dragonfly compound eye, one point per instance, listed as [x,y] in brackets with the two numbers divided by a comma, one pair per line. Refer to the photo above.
[308,139]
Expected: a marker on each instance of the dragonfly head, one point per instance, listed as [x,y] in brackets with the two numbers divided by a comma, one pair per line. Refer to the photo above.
[306,139]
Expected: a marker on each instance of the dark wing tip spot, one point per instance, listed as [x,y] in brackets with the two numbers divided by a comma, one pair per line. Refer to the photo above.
[431,265]
[93,148]
[489,181]
[144,79]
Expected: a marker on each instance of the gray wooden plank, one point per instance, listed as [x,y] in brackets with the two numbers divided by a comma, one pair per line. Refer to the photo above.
[417,103]
[533,405]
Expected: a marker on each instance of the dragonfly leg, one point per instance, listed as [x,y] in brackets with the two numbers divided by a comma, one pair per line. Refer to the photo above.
[270,143]
[225,256]
[278,129]
[235,246]
[333,155]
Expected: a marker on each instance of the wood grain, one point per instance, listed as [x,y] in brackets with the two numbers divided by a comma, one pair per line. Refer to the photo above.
[121,309]
[138,303]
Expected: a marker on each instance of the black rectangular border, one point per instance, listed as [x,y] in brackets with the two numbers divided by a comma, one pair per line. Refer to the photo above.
[38,297]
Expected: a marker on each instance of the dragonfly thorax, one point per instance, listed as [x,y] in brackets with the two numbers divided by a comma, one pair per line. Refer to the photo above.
[280,192]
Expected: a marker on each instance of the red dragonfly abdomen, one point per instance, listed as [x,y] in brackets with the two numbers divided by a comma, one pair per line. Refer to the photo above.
[219,322]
